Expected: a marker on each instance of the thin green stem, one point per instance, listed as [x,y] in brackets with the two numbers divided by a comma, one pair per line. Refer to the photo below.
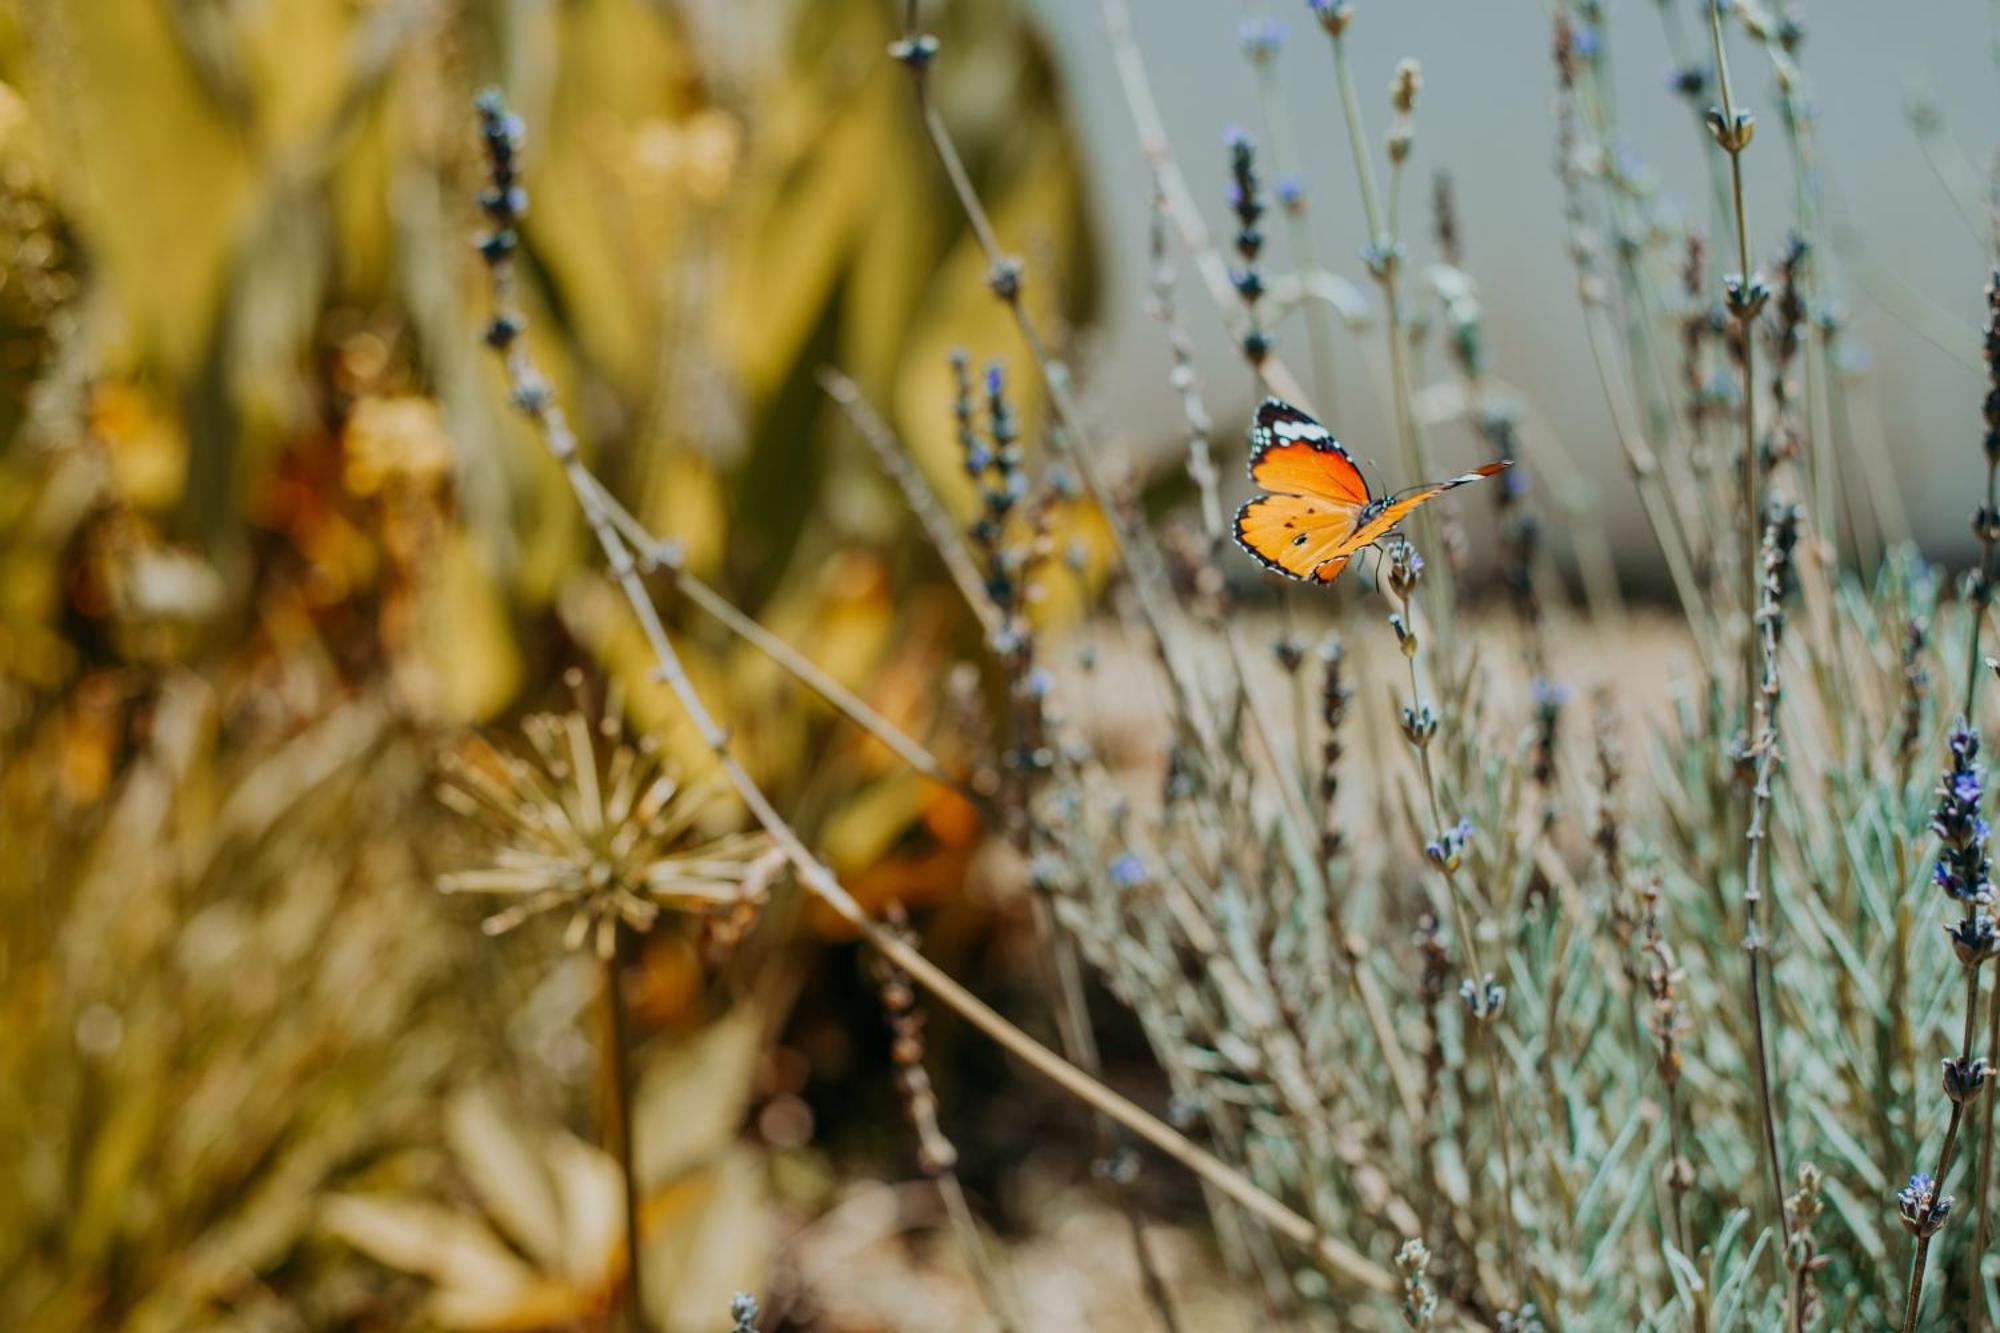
[1981,1214]
[1747,339]
[1357,139]
[1913,1303]
[1305,256]
[1759,631]
[1384,263]
[1982,596]
[1764,741]
[1489,1040]
[1481,1014]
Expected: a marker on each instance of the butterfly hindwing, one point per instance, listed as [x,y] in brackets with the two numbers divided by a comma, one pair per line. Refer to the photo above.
[1292,454]
[1301,536]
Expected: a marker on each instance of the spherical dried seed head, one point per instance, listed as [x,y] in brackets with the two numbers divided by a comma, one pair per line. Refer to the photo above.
[588,824]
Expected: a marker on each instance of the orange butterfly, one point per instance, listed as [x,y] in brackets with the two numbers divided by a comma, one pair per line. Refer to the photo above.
[1320,512]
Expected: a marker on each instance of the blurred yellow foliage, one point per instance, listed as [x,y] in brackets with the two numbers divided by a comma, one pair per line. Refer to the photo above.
[268,528]
[395,440]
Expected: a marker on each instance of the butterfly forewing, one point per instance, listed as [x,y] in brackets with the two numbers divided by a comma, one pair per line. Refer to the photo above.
[1380,525]
[1292,454]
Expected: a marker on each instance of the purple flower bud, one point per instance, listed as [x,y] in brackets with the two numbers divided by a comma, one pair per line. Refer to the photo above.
[1128,871]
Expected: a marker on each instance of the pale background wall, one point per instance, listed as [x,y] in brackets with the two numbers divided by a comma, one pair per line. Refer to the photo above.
[1485,116]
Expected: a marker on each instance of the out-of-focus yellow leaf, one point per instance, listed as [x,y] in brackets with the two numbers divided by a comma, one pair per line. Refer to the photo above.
[118,1155]
[399,438]
[469,639]
[147,165]
[707,1240]
[19,141]
[564,1200]
[277,290]
[869,824]
[590,1195]
[481,1284]
[690,1104]
[297,57]
[622,56]
[143,443]
[425,1238]
[358,192]
[684,503]
[796,230]
[617,71]
[907,219]
[509,1176]
[842,617]
[698,156]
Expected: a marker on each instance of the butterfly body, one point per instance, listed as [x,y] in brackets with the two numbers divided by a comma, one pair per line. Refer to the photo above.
[1318,512]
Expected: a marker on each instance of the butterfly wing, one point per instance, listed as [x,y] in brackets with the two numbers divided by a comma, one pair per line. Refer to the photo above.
[1300,536]
[1380,524]
[1292,454]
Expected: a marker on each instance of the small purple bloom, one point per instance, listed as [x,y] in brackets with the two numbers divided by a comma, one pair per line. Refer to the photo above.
[1260,38]
[1549,693]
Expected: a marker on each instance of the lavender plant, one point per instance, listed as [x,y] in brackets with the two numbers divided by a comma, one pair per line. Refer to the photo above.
[1677,974]
[1963,874]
